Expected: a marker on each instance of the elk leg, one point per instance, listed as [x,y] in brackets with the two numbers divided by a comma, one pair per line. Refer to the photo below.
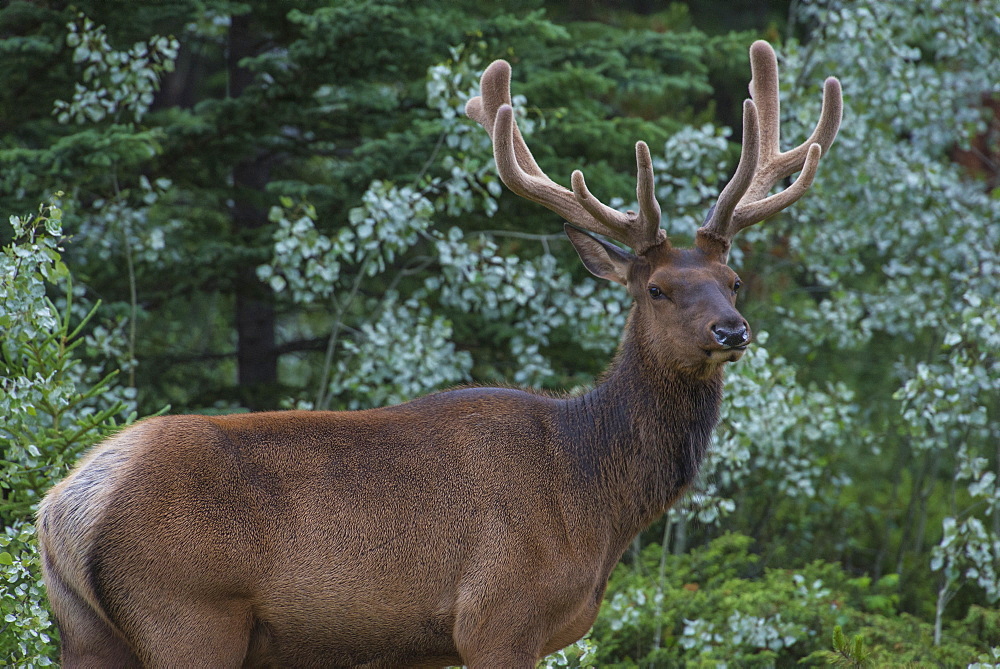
[489,642]
[88,641]
[191,635]
[507,658]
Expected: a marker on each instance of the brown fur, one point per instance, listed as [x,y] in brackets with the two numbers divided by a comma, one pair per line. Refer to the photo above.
[474,526]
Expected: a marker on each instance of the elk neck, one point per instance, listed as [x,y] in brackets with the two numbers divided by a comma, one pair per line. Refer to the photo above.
[636,441]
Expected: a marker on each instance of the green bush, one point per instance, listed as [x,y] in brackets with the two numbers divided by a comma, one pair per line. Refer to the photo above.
[58,397]
[714,606]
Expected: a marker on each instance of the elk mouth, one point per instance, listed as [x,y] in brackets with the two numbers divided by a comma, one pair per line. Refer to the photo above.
[726,353]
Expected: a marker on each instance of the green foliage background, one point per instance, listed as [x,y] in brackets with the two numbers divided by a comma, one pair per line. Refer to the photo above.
[274,205]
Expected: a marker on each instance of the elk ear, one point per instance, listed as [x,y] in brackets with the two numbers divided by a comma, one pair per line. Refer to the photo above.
[602,258]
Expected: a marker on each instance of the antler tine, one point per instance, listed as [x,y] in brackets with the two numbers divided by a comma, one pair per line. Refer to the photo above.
[753,204]
[522,175]
[722,211]
[645,191]
[495,86]
[639,230]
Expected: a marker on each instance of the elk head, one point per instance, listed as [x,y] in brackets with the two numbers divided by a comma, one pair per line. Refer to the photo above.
[684,298]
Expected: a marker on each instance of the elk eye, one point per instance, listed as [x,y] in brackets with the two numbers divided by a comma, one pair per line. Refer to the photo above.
[655,292]
[736,286]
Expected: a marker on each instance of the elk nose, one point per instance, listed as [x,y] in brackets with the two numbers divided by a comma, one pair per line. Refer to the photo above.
[730,337]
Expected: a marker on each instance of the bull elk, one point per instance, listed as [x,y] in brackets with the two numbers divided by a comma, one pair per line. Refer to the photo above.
[475,526]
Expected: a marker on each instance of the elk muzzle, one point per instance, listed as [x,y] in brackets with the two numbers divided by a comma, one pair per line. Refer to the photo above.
[729,336]
[729,339]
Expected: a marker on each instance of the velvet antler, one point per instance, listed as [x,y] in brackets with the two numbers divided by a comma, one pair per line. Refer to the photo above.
[745,200]
[519,171]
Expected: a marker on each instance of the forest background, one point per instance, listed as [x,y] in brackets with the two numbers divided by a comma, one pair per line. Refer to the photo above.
[227,206]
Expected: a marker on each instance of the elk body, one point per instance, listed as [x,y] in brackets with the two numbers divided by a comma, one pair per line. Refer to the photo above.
[475,526]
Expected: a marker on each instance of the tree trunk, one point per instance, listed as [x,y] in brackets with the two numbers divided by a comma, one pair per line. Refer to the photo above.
[257,361]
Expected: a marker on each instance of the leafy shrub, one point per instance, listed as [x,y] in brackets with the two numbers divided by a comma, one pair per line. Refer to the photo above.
[714,606]
[56,401]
